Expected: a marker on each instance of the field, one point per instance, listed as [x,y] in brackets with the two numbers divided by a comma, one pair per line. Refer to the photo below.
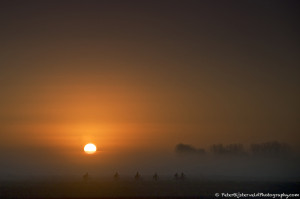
[144,188]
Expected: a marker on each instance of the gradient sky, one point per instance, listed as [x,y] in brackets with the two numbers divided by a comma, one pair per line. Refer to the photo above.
[136,78]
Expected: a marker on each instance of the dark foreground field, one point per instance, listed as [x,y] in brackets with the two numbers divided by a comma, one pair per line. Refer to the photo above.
[127,188]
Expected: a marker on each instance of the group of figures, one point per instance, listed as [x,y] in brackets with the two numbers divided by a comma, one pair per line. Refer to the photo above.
[179,177]
[138,176]
[154,177]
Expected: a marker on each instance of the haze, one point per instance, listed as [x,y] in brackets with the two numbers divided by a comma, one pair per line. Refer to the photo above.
[137,78]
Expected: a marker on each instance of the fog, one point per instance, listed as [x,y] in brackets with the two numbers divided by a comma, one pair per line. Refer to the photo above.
[263,161]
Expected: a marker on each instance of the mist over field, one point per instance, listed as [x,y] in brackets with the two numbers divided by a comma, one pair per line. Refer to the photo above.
[176,97]
[264,161]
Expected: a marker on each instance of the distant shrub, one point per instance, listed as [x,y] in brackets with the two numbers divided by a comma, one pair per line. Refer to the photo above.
[270,149]
[231,149]
[188,149]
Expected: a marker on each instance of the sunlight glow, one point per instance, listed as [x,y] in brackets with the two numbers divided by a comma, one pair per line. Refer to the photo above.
[90,148]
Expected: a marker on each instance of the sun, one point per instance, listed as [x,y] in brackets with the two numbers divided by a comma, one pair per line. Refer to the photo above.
[90,148]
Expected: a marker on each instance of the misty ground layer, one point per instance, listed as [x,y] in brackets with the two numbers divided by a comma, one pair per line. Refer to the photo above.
[128,188]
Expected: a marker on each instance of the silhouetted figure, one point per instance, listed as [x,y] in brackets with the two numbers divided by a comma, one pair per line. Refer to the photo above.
[137,176]
[155,177]
[86,177]
[116,176]
[176,176]
[182,176]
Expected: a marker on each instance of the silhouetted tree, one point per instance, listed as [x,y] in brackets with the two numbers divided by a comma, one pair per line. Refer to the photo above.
[231,149]
[188,149]
[273,149]
[217,149]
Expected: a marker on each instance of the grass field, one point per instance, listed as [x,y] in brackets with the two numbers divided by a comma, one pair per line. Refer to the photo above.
[145,188]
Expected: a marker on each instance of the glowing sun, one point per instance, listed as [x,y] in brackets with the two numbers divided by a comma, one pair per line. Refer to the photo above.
[90,148]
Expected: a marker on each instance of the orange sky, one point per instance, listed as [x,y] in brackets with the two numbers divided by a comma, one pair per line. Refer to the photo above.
[139,78]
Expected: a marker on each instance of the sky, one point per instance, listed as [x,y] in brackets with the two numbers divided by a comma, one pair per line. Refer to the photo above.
[138,77]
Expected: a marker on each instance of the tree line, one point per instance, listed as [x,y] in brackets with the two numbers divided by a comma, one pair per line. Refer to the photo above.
[273,148]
